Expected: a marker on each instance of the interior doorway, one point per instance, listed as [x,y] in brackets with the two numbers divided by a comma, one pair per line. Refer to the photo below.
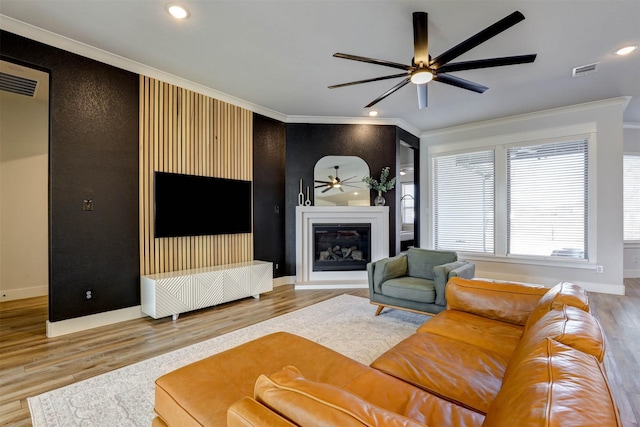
[24,181]
[407,190]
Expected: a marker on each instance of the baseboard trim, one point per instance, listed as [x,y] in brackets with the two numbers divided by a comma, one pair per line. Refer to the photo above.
[330,285]
[284,280]
[15,294]
[631,274]
[77,324]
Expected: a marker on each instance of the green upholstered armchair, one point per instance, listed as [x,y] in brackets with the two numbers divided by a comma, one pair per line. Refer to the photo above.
[415,280]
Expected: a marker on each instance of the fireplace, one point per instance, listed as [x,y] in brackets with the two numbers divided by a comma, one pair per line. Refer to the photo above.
[341,247]
[351,217]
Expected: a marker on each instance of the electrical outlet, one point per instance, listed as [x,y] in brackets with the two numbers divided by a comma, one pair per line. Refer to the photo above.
[277,266]
[88,294]
[87,205]
[599,269]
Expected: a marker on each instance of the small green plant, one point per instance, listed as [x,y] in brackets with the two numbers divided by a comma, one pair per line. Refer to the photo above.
[384,184]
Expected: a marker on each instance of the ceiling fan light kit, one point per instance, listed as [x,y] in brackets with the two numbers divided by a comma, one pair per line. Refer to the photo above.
[424,69]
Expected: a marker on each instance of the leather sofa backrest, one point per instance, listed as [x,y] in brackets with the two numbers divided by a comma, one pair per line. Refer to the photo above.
[559,295]
[555,386]
[420,262]
[507,302]
[313,404]
[568,325]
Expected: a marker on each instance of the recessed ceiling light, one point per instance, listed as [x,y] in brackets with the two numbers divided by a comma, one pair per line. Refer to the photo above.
[626,50]
[373,113]
[178,12]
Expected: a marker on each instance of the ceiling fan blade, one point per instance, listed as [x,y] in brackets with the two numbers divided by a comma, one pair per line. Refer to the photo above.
[393,76]
[373,61]
[341,189]
[324,182]
[326,189]
[461,83]
[422,96]
[475,40]
[486,63]
[389,92]
[320,186]
[345,180]
[420,39]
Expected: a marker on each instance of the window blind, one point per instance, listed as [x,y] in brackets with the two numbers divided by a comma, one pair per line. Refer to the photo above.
[631,183]
[547,199]
[463,201]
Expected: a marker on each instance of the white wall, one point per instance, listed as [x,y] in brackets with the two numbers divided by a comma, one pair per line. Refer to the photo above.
[631,259]
[605,117]
[24,266]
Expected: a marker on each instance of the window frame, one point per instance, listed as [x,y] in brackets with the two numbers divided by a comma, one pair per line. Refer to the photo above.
[500,144]
[633,242]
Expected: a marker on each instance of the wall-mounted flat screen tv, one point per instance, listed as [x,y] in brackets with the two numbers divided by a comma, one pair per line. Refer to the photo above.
[190,205]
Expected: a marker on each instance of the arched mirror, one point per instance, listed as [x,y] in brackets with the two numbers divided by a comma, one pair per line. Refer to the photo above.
[338,181]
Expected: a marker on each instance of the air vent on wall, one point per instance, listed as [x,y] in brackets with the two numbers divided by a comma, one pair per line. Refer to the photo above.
[585,70]
[18,85]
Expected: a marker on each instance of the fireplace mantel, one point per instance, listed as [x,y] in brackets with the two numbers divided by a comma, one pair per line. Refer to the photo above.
[306,216]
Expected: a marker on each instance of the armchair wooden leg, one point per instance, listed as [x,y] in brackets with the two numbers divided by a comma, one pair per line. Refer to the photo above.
[379,310]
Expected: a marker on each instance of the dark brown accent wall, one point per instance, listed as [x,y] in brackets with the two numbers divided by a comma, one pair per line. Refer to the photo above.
[307,143]
[93,150]
[269,142]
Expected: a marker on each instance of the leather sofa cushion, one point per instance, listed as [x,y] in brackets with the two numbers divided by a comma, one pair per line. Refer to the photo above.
[568,325]
[410,401]
[184,396]
[420,262]
[507,302]
[248,413]
[389,268]
[559,295]
[555,386]
[310,404]
[465,374]
[492,335]
[410,288]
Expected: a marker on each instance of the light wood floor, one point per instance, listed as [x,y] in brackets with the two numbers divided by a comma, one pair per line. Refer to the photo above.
[31,364]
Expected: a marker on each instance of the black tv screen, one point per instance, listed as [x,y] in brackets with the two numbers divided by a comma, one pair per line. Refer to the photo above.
[190,205]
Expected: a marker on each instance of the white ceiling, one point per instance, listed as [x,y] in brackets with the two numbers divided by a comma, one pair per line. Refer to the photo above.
[278,54]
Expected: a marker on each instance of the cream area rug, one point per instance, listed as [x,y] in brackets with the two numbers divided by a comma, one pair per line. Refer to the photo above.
[125,397]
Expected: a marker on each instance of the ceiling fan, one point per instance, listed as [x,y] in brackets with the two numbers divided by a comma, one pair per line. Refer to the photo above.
[335,182]
[423,68]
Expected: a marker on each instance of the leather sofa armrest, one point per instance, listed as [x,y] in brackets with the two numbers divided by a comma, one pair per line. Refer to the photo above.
[247,412]
[507,302]
[385,269]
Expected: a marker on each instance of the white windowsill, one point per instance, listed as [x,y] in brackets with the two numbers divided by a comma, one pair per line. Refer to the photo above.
[560,263]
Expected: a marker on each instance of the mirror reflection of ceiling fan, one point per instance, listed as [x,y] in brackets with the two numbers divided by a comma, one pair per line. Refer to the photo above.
[335,182]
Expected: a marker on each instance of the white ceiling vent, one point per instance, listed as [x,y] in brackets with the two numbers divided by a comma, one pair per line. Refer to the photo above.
[585,70]
[18,85]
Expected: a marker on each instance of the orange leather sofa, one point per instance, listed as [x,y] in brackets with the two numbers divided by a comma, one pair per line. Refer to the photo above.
[502,354]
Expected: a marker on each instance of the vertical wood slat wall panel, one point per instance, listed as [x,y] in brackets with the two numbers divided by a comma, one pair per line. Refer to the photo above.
[185,132]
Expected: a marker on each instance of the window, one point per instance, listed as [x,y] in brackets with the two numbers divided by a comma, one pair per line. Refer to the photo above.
[547,199]
[631,183]
[463,201]
[525,200]
[407,202]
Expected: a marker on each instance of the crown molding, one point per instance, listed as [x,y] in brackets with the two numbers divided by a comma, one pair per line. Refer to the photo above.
[355,121]
[621,100]
[52,39]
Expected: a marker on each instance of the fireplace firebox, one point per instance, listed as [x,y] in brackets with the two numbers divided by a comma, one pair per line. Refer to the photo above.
[341,247]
